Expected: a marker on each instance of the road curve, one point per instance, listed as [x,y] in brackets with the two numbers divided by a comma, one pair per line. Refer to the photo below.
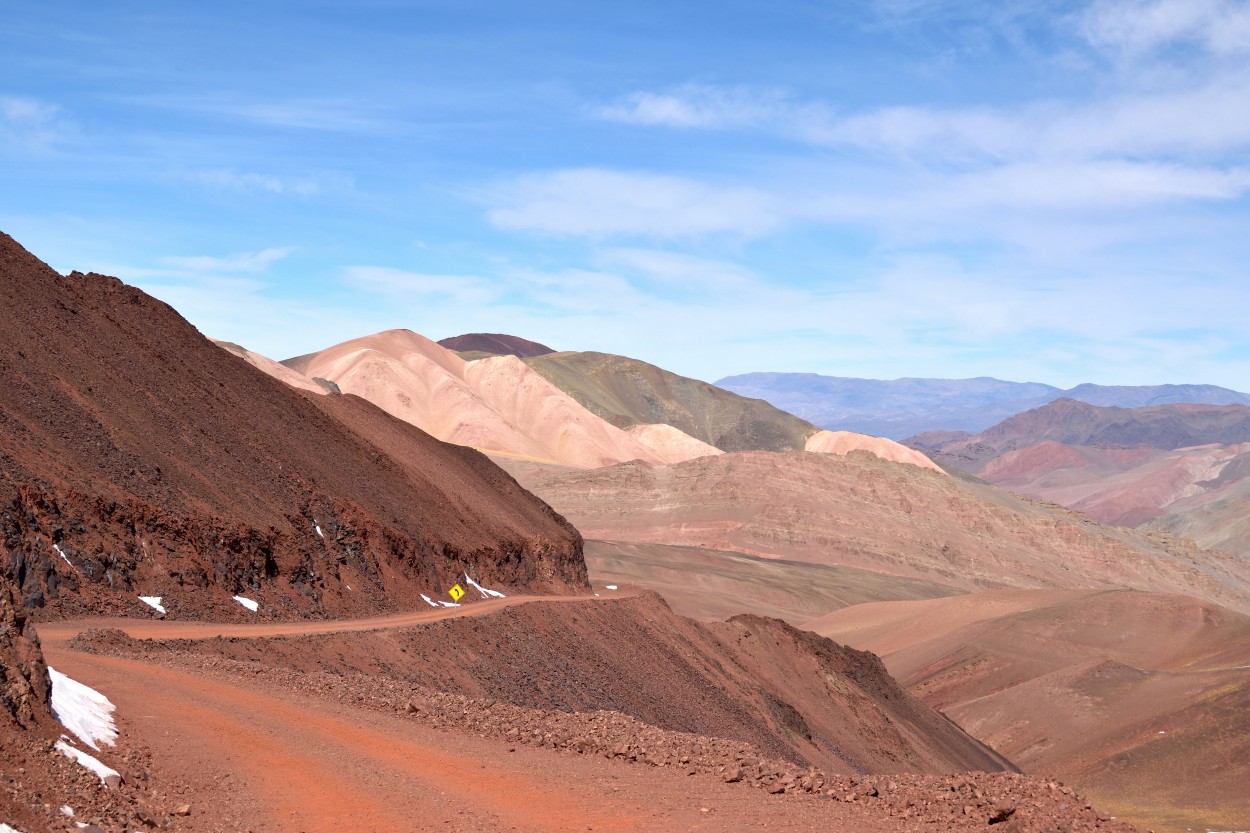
[57,633]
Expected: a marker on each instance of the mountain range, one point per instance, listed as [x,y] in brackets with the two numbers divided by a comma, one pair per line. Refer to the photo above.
[291,553]
[1180,468]
[147,473]
[901,408]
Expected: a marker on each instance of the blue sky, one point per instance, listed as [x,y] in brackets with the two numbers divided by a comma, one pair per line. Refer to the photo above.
[1036,191]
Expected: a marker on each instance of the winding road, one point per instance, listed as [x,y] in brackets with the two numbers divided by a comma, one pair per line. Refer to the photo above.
[250,756]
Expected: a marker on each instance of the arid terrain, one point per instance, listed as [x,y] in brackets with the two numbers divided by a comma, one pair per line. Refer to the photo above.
[262,579]
[261,510]
[1181,468]
[1109,689]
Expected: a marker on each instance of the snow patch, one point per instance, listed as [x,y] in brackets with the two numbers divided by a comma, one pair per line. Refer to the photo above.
[429,601]
[85,760]
[4,828]
[317,527]
[610,586]
[61,553]
[486,592]
[67,811]
[83,710]
[449,604]
[153,602]
[248,603]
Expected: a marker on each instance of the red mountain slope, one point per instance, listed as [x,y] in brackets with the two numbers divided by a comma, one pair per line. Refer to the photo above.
[138,458]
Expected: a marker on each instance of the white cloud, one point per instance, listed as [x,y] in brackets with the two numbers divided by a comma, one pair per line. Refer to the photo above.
[405,285]
[251,182]
[600,203]
[703,105]
[251,262]
[677,269]
[333,115]
[1137,27]
[29,124]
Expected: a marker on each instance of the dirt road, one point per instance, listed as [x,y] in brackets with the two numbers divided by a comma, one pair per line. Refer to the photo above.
[60,632]
[248,756]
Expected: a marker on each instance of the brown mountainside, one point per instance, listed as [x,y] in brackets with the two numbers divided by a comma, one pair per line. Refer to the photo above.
[627,392]
[1071,422]
[138,458]
[495,344]
[1141,698]
[863,512]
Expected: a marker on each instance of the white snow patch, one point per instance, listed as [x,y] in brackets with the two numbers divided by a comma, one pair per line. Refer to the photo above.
[85,760]
[610,586]
[4,828]
[67,811]
[65,557]
[83,710]
[486,592]
[349,587]
[248,603]
[153,602]
[317,527]
[429,601]
[449,604]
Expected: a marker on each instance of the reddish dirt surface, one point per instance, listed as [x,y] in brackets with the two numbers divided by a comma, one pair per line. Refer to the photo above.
[259,745]
[1142,699]
[715,585]
[863,512]
[790,694]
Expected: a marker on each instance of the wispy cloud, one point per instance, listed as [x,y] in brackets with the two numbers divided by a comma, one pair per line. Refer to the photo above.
[1137,27]
[244,182]
[403,285]
[31,125]
[707,106]
[248,262]
[599,203]
[336,115]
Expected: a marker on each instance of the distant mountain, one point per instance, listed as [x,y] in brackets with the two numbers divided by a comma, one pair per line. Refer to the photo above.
[865,513]
[495,404]
[628,392]
[904,407]
[1184,469]
[1069,422]
[494,344]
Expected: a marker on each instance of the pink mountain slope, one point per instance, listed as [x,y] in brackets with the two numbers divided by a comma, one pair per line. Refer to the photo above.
[673,444]
[844,442]
[496,404]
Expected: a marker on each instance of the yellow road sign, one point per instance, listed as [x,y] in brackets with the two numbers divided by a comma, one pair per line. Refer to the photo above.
[456,593]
